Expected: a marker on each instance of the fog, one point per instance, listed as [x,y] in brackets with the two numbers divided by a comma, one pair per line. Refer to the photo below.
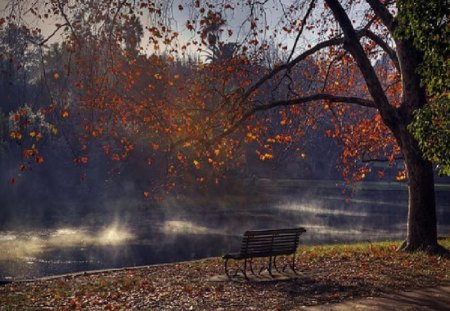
[19,244]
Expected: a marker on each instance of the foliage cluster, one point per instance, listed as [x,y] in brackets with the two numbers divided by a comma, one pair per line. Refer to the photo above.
[427,24]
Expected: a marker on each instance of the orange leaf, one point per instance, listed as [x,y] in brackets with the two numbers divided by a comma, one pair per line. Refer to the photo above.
[106,149]
[27,153]
[39,159]
[84,159]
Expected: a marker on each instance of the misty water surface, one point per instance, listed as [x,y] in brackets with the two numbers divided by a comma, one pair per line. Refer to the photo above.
[190,228]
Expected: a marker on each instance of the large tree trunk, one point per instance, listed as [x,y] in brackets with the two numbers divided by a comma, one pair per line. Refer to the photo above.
[422,222]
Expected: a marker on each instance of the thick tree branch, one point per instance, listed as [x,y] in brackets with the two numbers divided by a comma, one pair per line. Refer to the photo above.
[381,43]
[353,45]
[331,42]
[383,13]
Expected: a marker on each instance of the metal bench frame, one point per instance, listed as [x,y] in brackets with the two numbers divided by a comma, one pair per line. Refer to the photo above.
[265,243]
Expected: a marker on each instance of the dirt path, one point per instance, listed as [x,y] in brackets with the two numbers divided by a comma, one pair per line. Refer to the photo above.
[436,298]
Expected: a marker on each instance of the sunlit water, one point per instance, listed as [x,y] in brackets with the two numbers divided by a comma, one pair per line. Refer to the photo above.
[177,233]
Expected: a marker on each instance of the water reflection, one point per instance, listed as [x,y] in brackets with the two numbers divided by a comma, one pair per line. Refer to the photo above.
[318,210]
[28,244]
[186,227]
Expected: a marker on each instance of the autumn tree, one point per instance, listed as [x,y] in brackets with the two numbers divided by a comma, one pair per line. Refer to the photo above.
[364,36]
[365,82]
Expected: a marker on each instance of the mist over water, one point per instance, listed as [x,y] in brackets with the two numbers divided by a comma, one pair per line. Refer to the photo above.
[129,232]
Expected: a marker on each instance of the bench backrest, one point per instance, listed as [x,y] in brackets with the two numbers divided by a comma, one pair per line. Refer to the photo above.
[263,243]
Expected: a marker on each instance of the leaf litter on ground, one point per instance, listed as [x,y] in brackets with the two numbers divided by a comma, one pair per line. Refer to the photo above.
[327,274]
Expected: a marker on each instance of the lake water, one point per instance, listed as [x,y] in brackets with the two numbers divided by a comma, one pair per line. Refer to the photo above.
[185,229]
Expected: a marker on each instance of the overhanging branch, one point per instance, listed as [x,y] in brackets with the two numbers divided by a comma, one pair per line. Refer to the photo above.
[296,101]
[271,105]
[370,160]
[322,45]
[295,61]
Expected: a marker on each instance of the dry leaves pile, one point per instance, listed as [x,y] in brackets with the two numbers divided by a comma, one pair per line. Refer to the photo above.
[327,274]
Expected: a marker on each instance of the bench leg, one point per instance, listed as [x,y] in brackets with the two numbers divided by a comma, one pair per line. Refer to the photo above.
[245,269]
[251,266]
[226,268]
[270,266]
[275,264]
[293,264]
[227,272]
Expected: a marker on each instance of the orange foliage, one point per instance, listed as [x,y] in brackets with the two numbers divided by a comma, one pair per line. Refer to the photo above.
[190,114]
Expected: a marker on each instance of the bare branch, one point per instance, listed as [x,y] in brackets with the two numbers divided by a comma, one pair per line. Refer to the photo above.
[41,43]
[66,18]
[383,13]
[382,160]
[302,26]
[295,61]
[337,57]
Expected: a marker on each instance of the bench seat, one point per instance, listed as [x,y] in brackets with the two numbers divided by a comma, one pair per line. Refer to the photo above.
[266,243]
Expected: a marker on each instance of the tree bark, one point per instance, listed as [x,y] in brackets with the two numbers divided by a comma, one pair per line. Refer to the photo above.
[422,223]
[421,232]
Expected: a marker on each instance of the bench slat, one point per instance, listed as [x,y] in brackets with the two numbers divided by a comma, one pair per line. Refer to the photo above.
[275,231]
[267,245]
[276,239]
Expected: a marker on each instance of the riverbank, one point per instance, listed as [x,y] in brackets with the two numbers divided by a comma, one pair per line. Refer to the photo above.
[328,274]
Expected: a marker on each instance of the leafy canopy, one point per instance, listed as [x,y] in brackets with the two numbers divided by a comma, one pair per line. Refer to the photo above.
[427,23]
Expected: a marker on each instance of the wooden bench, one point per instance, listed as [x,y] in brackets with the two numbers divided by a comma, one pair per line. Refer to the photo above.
[265,243]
